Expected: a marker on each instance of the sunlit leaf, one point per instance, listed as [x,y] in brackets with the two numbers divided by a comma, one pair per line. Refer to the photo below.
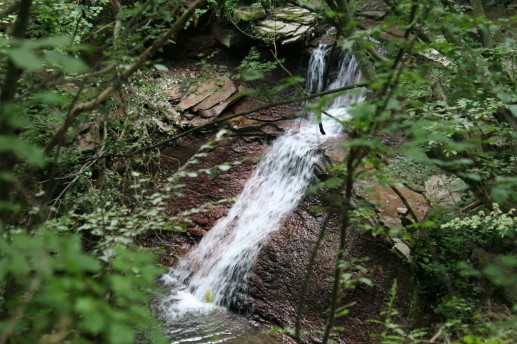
[28,152]
[69,64]
[252,74]
[25,59]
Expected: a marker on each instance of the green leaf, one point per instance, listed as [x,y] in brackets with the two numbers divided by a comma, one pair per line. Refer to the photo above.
[6,176]
[513,109]
[10,206]
[414,153]
[333,182]
[224,167]
[221,134]
[25,58]
[342,313]
[212,172]
[92,319]
[26,151]
[366,281]
[500,194]
[471,176]
[252,74]
[51,97]
[68,63]
[120,333]
[80,262]
[50,42]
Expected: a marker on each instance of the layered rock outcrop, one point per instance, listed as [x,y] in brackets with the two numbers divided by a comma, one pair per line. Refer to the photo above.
[283,25]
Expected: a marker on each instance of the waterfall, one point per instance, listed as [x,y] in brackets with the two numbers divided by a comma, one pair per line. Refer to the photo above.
[316,70]
[219,266]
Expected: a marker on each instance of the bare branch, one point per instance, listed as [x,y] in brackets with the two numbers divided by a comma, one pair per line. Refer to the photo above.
[7,159]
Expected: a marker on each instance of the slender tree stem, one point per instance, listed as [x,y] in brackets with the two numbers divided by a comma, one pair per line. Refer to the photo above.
[7,159]
[308,275]
[345,220]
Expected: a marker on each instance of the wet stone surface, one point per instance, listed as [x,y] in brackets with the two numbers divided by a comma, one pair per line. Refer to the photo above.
[280,270]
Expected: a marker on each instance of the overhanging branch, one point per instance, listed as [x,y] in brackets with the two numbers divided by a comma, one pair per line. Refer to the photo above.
[124,76]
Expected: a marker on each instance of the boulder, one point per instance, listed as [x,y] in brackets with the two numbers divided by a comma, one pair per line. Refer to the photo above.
[286,25]
[229,37]
[198,94]
[163,126]
[208,100]
[174,94]
[224,91]
[168,111]
[324,35]
[444,190]
[90,138]
[391,210]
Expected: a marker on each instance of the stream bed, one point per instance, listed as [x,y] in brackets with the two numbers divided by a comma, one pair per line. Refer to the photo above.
[209,279]
[188,320]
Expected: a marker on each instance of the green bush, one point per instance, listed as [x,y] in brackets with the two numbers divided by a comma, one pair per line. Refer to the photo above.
[55,291]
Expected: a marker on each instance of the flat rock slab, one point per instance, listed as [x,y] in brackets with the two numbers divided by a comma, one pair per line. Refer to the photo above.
[210,99]
[284,29]
[224,91]
[294,14]
[197,95]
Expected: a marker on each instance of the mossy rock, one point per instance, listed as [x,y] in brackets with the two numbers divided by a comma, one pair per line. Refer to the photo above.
[249,14]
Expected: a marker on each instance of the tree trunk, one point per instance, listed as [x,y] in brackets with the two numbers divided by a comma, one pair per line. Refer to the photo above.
[484,32]
[7,158]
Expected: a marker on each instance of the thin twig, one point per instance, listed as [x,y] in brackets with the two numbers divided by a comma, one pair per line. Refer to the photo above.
[345,220]
[20,311]
[308,275]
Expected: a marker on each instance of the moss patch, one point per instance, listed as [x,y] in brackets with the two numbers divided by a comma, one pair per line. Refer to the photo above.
[248,14]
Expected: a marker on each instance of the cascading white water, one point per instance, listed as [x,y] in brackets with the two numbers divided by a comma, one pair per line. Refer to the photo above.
[316,70]
[220,264]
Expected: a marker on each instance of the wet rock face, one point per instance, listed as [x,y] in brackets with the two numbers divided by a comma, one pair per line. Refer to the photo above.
[252,135]
[280,270]
[203,189]
[274,285]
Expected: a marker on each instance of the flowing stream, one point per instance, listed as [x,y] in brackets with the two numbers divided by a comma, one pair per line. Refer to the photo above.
[207,280]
